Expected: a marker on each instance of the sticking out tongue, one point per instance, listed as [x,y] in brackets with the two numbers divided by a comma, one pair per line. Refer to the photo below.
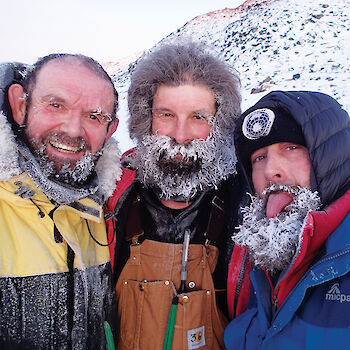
[276,202]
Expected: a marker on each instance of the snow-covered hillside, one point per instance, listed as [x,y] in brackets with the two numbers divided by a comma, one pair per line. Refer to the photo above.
[274,44]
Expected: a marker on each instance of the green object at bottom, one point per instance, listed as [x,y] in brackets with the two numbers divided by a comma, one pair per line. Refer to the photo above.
[109,336]
[170,327]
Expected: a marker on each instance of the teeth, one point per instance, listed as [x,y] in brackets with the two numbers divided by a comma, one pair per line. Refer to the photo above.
[65,148]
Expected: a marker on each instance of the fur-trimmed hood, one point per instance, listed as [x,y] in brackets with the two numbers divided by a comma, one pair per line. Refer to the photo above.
[108,167]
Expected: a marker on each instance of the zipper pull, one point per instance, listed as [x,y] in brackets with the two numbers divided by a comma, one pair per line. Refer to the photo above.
[275,302]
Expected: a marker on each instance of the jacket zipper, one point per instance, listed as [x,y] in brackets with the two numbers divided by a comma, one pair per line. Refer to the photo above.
[274,301]
[274,304]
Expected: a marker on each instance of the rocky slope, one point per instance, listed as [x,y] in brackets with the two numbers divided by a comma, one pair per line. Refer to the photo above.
[274,44]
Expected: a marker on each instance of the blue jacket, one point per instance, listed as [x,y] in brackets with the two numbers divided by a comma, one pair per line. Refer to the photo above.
[312,309]
[314,315]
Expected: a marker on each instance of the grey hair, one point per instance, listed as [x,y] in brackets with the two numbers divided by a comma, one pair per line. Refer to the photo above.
[177,64]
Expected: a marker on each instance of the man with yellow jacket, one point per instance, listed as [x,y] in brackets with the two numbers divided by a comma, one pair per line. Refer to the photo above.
[56,170]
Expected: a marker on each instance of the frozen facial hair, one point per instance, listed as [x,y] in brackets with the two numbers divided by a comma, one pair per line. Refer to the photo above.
[179,171]
[76,175]
[273,242]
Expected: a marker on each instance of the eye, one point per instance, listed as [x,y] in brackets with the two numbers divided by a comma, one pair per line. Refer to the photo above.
[200,117]
[100,118]
[165,115]
[291,147]
[259,158]
[94,117]
[207,116]
[55,105]
[162,114]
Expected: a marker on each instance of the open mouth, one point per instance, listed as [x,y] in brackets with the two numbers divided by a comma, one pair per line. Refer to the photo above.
[278,198]
[65,148]
[179,165]
[178,157]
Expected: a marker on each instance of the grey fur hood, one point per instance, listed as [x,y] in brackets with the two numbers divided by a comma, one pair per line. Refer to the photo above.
[326,129]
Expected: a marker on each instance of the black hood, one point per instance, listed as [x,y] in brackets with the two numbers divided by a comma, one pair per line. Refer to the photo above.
[10,73]
[326,129]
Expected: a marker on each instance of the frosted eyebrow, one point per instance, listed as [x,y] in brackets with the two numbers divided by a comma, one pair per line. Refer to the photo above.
[100,111]
[204,113]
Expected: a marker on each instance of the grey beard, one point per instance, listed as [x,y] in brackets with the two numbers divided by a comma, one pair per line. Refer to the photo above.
[78,175]
[273,242]
[54,190]
[203,165]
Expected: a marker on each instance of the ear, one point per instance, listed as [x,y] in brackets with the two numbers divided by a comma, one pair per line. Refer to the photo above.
[112,127]
[17,103]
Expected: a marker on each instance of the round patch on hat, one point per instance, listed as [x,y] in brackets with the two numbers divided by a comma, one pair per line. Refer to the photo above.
[258,123]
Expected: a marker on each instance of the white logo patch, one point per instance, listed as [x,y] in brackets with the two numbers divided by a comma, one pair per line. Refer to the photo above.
[196,338]
[334,294]
[258,123]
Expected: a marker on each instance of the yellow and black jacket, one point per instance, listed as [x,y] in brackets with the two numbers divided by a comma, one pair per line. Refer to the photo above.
[55,279]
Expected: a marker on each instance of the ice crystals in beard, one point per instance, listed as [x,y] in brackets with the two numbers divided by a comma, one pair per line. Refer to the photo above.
[273,242]
[211,162]
[275,188]
[81,171]
[180,159]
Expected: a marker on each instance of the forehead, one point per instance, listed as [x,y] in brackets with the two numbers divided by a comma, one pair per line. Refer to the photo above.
[188,94]
[70,78]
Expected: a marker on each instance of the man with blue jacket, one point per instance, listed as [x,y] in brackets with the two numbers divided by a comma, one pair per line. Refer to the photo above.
[295,149]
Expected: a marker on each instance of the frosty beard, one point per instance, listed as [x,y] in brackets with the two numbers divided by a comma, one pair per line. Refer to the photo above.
[179,171]
[273,242]
[73,174]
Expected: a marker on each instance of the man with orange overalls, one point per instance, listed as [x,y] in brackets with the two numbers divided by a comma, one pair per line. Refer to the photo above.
[176,206]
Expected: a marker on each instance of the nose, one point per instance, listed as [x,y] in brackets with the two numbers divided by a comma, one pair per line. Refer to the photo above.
[73,125]
[275,169]
[181,132]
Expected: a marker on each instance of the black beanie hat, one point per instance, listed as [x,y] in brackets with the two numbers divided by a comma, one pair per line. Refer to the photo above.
[263,127]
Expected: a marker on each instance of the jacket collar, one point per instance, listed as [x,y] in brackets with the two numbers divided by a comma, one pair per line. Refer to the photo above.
[334,216]
[318,230]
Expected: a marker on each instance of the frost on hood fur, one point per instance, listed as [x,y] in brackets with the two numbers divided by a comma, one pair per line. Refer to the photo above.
[184,63]
[108,167]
